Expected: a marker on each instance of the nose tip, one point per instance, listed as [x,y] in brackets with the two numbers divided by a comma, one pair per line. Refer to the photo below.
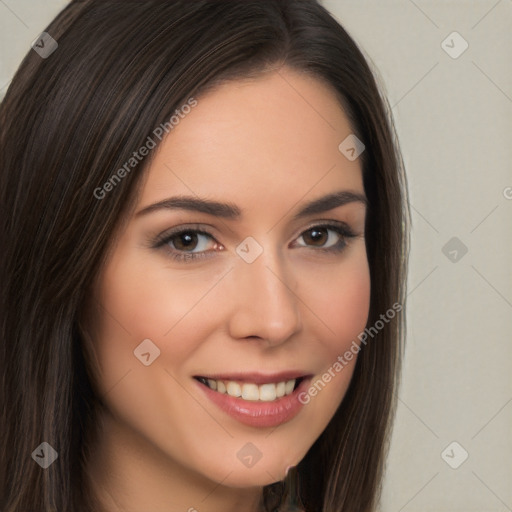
[265,307]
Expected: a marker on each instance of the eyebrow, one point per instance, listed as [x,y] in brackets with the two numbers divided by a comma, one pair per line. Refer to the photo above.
[231,211]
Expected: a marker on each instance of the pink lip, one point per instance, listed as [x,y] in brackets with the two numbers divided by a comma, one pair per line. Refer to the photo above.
[257,377]
[256,413]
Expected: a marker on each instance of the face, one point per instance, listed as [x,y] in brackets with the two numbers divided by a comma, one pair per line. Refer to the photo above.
[243,262]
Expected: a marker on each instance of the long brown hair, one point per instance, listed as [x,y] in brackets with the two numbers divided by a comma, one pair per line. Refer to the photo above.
[67,122]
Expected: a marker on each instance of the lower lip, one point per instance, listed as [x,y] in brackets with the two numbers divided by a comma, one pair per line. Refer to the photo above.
[257,413]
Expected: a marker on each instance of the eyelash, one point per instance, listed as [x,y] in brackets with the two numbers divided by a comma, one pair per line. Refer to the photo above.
[342,229]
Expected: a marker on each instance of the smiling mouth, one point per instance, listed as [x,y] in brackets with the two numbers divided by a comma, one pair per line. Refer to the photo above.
[249,391]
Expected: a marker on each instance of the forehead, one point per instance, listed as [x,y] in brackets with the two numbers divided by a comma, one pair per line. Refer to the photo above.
[267,138]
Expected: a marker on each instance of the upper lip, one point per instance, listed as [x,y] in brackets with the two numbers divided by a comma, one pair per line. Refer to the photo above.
[258,377]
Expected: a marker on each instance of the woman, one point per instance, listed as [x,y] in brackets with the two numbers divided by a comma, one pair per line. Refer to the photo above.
[204,235]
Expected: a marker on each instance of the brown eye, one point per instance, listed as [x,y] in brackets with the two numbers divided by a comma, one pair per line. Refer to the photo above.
[189,241]
[324,237]
[187,245]
[316,236]
[185,241]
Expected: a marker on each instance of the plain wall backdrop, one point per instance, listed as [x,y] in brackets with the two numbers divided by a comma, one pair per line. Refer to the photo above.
[451,97]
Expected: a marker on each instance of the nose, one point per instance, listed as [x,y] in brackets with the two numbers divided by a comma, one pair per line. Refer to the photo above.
[264,304]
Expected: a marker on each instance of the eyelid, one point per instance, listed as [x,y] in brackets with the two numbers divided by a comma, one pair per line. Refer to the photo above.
[163,237]
[326,223]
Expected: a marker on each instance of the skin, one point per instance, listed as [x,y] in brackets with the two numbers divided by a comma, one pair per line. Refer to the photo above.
[268,146]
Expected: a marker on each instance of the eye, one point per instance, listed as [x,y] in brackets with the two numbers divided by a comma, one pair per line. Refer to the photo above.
[187,244]
[189,241]
[320,237]
[326,237]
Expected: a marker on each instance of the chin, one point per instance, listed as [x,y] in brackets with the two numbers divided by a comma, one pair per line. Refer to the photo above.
[257,476]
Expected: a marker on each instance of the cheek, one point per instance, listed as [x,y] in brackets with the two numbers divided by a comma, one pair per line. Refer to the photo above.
[340,298]
[341,306]
[148,303]
[140,301]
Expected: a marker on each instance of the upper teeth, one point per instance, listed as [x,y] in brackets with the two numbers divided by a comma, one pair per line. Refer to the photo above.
[249,391]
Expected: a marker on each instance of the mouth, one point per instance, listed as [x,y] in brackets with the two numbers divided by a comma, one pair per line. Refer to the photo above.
[257,400]
[252,389]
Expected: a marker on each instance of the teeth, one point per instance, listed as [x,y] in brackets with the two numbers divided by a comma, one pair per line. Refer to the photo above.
[252,392]
[268,392]
[289,387]
[249,392]
[233,389]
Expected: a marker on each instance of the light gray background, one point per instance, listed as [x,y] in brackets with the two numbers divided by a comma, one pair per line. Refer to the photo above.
[454,121]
